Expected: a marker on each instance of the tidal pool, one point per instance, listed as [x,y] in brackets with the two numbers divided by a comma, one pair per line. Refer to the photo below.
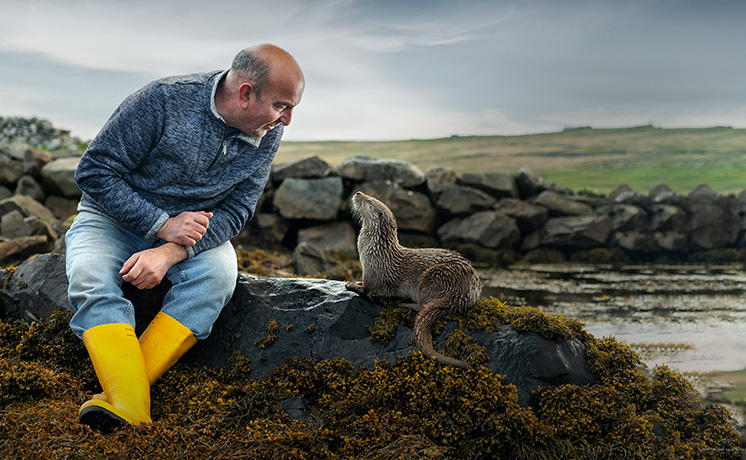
[692,318]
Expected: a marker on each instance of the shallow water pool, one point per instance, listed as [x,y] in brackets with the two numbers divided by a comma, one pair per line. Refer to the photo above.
[692,318]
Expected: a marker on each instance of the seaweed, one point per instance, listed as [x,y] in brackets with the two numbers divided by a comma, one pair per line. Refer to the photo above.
[413,408]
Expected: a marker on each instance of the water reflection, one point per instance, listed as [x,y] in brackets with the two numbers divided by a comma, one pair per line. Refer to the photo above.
[692,318]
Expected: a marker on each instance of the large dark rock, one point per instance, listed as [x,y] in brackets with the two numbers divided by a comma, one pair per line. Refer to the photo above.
[413,210]
[490,229]
[271,319]
[36,289]
[364,169]
[530,361]
[631,241]
[28,207]
[576,232]
[10,168]
[496,184]
[625,217]
[459,200]
[529,217]
[437,178]
[337,236]
[714,220]
[265,229]
[314,199]
[308,167]
[309,259]
[527,182]
[666,217]
[59,176]
[561,205]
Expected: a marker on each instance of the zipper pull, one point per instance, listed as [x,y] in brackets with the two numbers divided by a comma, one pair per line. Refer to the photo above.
[225,148]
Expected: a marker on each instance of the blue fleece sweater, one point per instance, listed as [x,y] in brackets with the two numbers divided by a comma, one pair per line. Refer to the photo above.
[166,150]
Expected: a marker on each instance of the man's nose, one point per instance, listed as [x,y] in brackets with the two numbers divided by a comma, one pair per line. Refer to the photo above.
[287,116]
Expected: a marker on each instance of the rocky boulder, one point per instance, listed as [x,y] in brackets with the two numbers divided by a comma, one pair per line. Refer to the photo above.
[576,232]
[35,131]
[314,199]
[59,176]
[490,229]
[528,217]
[271,319]
[528,183]
[11,169]
[413,210]
[309,259]
[459,200]
[561,205]
[364,169]
[714,221]
[437,178]
[337,236]
[498,185]
[666,217]
[625,217]
[308,167]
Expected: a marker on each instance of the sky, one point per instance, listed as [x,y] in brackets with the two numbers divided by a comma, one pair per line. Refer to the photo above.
[394,69]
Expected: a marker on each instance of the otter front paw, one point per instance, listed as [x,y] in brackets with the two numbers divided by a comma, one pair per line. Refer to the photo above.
[355,286]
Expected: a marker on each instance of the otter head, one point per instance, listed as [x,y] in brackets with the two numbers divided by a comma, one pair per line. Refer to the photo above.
[373,213]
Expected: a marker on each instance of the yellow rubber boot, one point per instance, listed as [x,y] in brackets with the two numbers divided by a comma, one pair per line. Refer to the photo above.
[120,368]
[163,342]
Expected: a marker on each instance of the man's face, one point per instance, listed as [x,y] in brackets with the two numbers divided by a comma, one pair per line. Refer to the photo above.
[278,99]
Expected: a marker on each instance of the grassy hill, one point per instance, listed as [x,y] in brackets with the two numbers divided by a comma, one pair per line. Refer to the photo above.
[641,157]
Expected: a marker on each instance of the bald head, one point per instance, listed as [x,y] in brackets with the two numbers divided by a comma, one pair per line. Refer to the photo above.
[257,63]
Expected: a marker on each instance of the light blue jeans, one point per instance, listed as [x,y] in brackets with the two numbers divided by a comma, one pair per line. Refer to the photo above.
[98,246]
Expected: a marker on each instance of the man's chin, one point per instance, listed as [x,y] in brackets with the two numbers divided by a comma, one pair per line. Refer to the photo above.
[260,132]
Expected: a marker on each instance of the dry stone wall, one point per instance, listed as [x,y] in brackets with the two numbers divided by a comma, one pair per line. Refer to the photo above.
[499,218]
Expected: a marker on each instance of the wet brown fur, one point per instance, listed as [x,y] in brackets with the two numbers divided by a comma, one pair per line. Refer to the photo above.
[441,282]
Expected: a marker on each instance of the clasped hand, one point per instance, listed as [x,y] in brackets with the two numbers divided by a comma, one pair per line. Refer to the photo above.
[146,269]
[185,229]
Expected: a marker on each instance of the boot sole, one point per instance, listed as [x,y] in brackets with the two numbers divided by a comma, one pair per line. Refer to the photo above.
[101,419]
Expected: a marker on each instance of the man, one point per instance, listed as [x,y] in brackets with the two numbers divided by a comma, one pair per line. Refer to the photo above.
[172,176]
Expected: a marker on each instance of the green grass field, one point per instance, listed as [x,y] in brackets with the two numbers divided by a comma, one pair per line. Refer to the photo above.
[602,159]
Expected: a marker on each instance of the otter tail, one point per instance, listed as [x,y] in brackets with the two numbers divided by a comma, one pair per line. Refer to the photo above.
[423,331]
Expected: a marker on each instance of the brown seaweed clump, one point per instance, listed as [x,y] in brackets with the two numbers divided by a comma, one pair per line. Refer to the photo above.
[410,409]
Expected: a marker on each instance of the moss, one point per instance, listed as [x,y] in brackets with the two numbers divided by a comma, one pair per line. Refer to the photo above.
[413,408]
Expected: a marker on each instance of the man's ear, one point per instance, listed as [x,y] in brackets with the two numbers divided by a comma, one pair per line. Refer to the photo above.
[245,93]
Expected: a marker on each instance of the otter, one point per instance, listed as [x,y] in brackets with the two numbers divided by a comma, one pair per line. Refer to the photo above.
[441,282]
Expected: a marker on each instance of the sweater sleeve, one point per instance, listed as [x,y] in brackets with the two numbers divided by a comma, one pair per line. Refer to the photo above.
[232,214]
[130,133]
